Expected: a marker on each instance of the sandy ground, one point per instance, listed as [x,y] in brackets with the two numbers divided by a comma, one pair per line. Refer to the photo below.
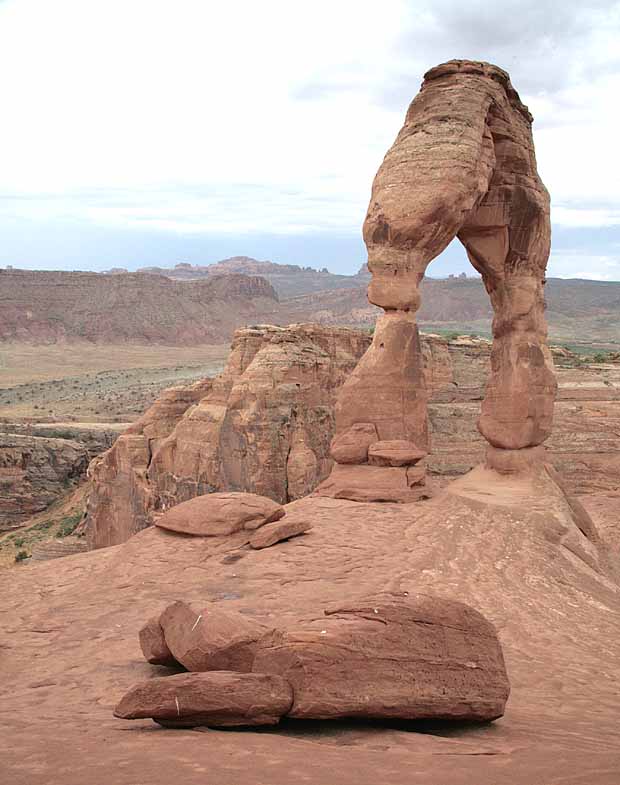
[93,383]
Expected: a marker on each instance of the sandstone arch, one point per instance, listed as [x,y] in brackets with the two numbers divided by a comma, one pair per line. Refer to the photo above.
[463,165]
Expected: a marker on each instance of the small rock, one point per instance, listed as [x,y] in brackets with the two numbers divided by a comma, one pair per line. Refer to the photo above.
[220,514]
[153,644]
[272,533]
[217,699]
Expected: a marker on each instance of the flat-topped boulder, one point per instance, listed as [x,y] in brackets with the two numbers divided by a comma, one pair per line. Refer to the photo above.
[397,452]
[210,639]
[217,699]
[217,514]
[392,656]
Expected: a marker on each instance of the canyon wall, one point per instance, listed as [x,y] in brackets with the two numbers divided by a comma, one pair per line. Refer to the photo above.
[46,307]
[266,422]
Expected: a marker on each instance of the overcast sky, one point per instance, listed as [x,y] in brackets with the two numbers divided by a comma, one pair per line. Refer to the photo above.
[138,132]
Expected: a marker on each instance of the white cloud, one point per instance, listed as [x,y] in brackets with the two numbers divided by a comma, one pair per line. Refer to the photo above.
[196,116]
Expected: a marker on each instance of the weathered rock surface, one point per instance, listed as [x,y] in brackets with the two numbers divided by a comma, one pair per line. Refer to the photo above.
[122,497]
[34,471]
[46,307]
[153,644]
[392,656]
[218,514]
[376,483]
[584,446]
[217,699]
[462,165]
[272,533]
[263,426]
[210,639]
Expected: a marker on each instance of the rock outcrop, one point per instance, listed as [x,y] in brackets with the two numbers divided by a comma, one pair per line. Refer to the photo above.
[122,496]
[462,165]
[127,493]
[263,426]
[34,471]
[47,307]
[210,639]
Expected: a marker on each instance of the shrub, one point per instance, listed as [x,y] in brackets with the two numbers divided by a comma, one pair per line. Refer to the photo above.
[69,524]
[21,555]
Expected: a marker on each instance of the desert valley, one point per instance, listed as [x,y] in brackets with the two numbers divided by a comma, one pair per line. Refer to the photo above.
[262,523]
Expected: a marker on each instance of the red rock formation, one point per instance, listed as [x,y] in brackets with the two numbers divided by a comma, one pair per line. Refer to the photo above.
[34,471]
[218,699]
[46,307]
[122,498]
[462,165]
[398,656]
[217,514]
[210,639]
[126,492]
[263,426]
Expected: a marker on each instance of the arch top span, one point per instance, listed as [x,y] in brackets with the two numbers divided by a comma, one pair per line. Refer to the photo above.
[463,165]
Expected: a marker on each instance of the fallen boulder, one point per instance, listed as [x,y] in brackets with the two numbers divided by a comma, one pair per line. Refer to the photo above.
[217,699]
[210,639]
[393,656]
[153,644]
[275,532]
[220,514]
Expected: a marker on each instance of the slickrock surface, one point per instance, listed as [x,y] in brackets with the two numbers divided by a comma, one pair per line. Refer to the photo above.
[219,698]
[506,546]
[217,514]
[210,639]
[34,471]
[394,655]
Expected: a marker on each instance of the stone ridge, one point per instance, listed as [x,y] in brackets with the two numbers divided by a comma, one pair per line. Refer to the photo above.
[46,307]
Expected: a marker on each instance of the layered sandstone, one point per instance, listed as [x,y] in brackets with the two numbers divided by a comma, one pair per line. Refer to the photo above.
[129,487]
[34,472]
[263,426]
[46,307]
[462,165]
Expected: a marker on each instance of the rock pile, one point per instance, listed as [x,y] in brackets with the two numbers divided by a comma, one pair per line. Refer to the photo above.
[221,514]
[392,656]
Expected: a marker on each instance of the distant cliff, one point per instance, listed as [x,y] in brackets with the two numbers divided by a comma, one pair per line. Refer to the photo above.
[48,307]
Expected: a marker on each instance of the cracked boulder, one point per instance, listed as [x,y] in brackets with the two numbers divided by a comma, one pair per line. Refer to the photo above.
[216,699]
[392,656]
[210,639]
[220,513]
